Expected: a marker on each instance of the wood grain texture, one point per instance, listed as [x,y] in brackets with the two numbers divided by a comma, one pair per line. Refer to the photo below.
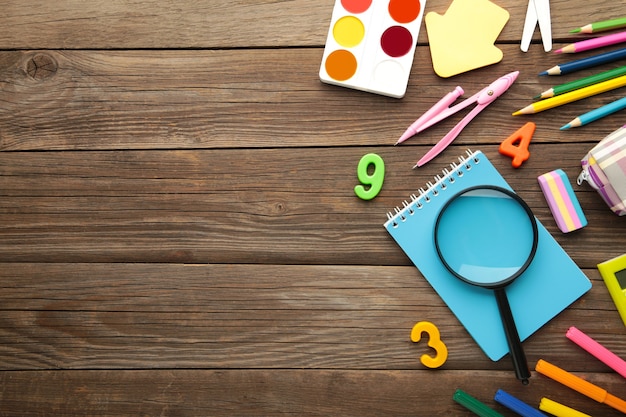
[179,233]
[208,24]
[271,393]
[138,316]
[213,99]
[278,206]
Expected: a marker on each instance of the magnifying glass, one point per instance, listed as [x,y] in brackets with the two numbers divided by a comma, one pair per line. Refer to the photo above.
[487,236]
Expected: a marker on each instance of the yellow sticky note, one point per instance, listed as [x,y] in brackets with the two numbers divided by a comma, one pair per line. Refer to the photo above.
[463,38]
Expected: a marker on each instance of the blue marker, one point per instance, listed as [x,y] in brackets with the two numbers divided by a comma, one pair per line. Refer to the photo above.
[517,405]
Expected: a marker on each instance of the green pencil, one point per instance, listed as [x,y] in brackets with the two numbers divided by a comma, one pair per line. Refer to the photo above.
[601,26]
[583,82]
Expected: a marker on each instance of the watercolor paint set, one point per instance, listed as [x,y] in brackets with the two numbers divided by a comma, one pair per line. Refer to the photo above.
[371,44]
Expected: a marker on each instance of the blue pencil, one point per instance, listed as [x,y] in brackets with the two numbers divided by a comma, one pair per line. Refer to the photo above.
[596,114]
[583,63]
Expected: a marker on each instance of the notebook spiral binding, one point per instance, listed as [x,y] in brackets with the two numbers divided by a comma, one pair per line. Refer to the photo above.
[433,189]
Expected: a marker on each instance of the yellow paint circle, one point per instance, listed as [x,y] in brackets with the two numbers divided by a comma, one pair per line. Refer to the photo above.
[348,31]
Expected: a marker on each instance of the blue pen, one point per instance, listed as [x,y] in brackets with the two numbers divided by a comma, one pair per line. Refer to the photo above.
[517,405]
[591,61]
[596,114]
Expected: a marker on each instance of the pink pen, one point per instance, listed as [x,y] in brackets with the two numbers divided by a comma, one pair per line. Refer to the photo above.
[483,98]
[597,350]
[436,109]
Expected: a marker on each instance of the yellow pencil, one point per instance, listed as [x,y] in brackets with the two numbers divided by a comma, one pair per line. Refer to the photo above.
[573,96]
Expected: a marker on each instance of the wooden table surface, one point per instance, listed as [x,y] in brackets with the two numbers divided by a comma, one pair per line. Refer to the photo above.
[179,233]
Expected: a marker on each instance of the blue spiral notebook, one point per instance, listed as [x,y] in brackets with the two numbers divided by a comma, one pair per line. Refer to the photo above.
[550,284]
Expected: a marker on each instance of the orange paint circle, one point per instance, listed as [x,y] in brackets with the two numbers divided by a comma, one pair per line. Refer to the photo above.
[341,65]
[356,6]
[404,11]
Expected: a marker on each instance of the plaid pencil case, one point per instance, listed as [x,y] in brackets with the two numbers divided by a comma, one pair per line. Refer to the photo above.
[604,168]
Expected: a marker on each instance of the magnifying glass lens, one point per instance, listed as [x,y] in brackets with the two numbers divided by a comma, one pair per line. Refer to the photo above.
[485,236]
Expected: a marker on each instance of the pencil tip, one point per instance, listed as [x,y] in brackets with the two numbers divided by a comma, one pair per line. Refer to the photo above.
[543,73]
[565,127]
[406,135]
[559,51]
[517,113]
[577,30]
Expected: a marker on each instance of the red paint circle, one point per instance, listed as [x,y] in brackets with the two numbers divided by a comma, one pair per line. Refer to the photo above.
[404,11]
[396,41]
[356,6]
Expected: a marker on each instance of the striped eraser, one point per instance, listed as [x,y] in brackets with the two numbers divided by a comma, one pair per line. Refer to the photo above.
[562,201]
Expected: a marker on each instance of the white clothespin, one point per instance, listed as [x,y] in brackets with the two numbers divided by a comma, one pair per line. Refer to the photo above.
[538,11]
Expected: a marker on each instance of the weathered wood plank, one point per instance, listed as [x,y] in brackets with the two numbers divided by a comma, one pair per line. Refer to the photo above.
[139,316]
[169,133]
[273,393]
[140,24]
[246,206]
[215,99]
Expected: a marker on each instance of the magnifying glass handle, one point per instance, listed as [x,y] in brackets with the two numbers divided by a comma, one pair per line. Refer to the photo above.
[512,337]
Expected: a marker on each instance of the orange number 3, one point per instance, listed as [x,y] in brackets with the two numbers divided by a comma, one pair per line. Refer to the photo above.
[434,341]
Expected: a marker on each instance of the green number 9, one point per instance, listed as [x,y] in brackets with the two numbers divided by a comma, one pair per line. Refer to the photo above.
[373,180]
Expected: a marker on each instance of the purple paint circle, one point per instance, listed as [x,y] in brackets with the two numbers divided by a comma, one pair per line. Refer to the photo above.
[396,41]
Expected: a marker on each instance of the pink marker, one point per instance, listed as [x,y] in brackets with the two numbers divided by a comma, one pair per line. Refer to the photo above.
[597,350]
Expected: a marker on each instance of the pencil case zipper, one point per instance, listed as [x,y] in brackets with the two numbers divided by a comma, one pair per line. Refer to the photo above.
[588,176]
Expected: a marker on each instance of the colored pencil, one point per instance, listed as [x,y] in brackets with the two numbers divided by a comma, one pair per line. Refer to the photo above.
[588,62]
[593,43]
[596,114]
[566,98]
[601,26]
[583,82]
